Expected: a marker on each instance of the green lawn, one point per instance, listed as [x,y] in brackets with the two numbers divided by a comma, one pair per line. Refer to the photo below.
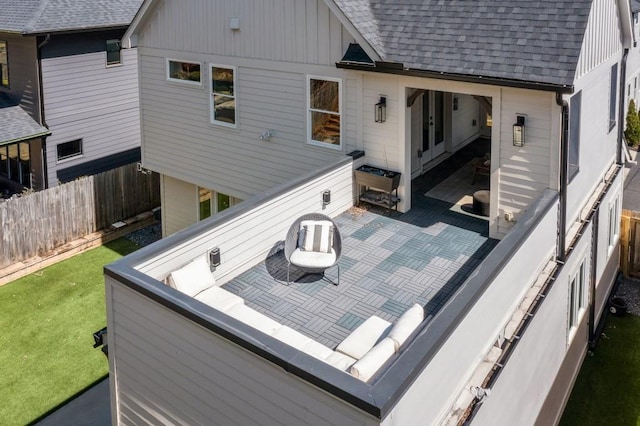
[46,324]
[607,391]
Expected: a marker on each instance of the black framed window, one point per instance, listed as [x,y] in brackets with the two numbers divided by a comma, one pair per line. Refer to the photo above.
[613,98]
[113,52]
[69,149]
[575,105]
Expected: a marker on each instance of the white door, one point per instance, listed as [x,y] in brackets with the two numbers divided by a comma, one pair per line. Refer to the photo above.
[432,125]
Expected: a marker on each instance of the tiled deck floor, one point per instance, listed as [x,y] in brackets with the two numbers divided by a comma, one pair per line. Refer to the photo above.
[388,263]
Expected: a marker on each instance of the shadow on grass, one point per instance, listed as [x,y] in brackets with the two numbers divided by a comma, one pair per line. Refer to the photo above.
[69,419]
[122,246]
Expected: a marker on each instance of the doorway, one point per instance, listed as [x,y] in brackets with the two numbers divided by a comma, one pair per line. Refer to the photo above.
[428,128]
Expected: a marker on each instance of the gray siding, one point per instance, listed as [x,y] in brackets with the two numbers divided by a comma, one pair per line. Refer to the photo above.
[180,141]
[23,73]
[85,99]
[201,378]
[302,31]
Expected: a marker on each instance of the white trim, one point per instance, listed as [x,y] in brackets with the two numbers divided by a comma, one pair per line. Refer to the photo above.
[72,157]
[578,293]
[613,230]
[177,80]
[234,96]
[314,142]
[106,55]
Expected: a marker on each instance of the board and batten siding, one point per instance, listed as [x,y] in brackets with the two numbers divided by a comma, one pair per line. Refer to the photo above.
[179,202]
[180,141]
[23,73]
[602,38]
[298,31]
[167,369]
[85,99]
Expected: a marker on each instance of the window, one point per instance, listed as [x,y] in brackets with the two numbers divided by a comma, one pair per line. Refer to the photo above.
[614,223]
[4,161]
[575,105]
[324,116]
[184,72]
[577,298]
[612,96]
[113,52]
[69,149]
[212,202]
[4,65]
[223,95]
[15,163]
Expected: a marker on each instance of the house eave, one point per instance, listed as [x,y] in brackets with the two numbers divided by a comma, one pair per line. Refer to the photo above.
[399,69]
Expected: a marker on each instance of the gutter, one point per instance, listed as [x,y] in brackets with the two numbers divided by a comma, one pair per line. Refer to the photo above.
[564,167]
[45,171]
[399,69]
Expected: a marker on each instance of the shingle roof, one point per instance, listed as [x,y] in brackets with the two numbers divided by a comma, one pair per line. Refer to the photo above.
[527,40]
[15,124]
[40,16]
[635,5]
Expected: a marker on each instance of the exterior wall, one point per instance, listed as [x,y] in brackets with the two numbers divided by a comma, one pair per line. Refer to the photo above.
[85,99]
[518,395]
[597,142]
[167,369]
[437,386]
[462,124]
[282,30]
[632,89]
[179,202]
[23,73]
[602,39]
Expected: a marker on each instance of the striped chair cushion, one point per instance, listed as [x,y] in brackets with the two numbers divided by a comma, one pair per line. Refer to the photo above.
[318,236]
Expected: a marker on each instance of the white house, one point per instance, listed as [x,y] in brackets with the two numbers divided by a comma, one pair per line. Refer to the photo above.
[277,104]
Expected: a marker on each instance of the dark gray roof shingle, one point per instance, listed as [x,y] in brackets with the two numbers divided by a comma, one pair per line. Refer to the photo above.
[40,16]
[527,40]
[16,124]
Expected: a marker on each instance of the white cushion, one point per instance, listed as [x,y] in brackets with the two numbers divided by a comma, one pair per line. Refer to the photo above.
[406,324]
[312,259]
[219,298]
[318,235]
[369,364]
[317,350]
[194,277]
[253,318]
[340,361]
[291,337]
[364,337]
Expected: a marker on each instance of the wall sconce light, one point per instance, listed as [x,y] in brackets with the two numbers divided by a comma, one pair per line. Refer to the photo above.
[381,110]
[518,131]
[326,197]
[214,258]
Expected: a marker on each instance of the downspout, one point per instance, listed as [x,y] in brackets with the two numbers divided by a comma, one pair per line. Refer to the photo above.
[623,83]
[564,167]
[45,171]
[594,268]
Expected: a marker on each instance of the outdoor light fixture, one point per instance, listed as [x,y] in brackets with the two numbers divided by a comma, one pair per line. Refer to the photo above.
[518,131]
[326,197]
[381,110]
[214,258]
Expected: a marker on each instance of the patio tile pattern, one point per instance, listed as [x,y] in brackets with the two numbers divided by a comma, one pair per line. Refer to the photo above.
[389,262]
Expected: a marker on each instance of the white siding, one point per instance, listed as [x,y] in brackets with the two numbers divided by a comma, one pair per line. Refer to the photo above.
[527,171]
[86,100]
[302,31]
[602,38]
[179,204]
[169,370]
[463,128]
[180,141]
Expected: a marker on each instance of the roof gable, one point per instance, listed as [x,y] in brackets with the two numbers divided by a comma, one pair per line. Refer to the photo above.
[535,41]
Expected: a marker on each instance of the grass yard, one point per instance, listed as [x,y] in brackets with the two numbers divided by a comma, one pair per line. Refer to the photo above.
[607,390]
[46,324]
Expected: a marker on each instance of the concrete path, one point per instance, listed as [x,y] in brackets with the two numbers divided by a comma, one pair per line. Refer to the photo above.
[92,408]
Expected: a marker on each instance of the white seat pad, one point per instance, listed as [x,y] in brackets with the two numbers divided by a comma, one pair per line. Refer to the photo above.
[254,319]
[219,298]
[363,338]
[312,259]
[340,361]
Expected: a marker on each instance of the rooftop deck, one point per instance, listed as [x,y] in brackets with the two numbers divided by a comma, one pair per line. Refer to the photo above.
[388,263]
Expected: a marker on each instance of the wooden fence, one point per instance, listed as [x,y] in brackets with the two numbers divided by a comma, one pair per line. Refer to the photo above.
[37,223]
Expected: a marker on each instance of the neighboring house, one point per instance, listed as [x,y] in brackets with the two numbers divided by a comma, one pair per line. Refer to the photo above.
[61,62]
[277,103]
[632,89]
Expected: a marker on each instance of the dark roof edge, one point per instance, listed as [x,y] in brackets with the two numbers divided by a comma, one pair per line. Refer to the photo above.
[398,69]
[76,30]
[24,138]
